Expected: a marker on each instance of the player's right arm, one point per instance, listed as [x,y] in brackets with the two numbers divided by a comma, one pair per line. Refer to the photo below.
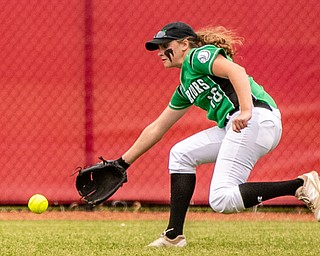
[153,133]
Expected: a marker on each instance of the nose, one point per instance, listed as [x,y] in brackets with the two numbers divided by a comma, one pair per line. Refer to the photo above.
[160,53]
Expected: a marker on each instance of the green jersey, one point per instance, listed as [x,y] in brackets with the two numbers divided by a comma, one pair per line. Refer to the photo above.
[200,87]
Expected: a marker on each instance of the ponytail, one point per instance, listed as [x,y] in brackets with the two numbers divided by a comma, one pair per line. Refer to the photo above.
[218,36]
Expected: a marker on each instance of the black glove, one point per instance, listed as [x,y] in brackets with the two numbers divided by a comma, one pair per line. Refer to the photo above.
[99,182]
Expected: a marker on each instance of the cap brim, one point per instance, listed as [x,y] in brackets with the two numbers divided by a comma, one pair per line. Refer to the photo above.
[154,44]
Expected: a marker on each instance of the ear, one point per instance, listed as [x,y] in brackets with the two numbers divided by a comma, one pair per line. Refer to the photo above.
[185,44]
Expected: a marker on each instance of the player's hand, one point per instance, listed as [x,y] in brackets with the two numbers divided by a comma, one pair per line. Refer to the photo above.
[241,121]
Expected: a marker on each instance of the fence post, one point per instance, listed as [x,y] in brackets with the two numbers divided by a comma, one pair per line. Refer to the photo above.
[88,81]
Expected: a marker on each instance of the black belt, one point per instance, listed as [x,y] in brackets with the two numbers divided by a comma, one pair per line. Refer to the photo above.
[256,103]
[261,104]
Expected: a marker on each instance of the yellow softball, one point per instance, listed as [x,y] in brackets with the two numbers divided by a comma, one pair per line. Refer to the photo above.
[38,203]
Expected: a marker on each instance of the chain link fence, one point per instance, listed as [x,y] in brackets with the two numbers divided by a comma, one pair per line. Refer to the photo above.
[76,83]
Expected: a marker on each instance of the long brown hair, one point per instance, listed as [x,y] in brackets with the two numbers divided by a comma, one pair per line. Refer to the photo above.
[218,36]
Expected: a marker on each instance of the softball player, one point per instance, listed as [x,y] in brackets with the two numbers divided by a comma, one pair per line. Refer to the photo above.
[248,127]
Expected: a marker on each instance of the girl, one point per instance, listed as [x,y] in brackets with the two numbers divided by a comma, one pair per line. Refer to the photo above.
[248,127]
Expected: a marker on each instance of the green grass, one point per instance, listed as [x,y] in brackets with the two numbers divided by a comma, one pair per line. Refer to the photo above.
[70,237]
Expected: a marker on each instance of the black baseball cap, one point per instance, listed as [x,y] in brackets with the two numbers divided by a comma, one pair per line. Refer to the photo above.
[171,31]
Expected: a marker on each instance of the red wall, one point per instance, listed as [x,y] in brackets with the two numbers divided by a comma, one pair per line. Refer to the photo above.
[77,83]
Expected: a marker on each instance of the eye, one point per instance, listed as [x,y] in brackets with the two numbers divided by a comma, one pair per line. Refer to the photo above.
[163,46]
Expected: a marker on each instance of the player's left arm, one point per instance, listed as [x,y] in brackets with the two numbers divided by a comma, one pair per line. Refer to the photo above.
[153,133]
[238,77]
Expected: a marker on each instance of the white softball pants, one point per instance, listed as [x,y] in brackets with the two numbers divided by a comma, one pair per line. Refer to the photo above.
[234,155]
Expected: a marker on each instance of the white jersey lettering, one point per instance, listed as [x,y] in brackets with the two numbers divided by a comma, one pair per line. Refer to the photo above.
[195,88]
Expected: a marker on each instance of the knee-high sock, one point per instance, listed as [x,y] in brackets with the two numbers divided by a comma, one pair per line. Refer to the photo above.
[182,188]
[254,193]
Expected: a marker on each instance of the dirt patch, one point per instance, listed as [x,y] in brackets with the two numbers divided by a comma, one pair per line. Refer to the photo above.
[115,215]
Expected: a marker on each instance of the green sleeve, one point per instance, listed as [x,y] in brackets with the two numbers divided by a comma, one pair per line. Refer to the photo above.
[179,100]
[203,58]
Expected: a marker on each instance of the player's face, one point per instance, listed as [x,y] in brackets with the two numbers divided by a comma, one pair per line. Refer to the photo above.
[172,54]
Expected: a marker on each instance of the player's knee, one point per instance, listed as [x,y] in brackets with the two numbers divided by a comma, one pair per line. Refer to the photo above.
[223,202]
[218,204]
[177,153]
[180,161]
